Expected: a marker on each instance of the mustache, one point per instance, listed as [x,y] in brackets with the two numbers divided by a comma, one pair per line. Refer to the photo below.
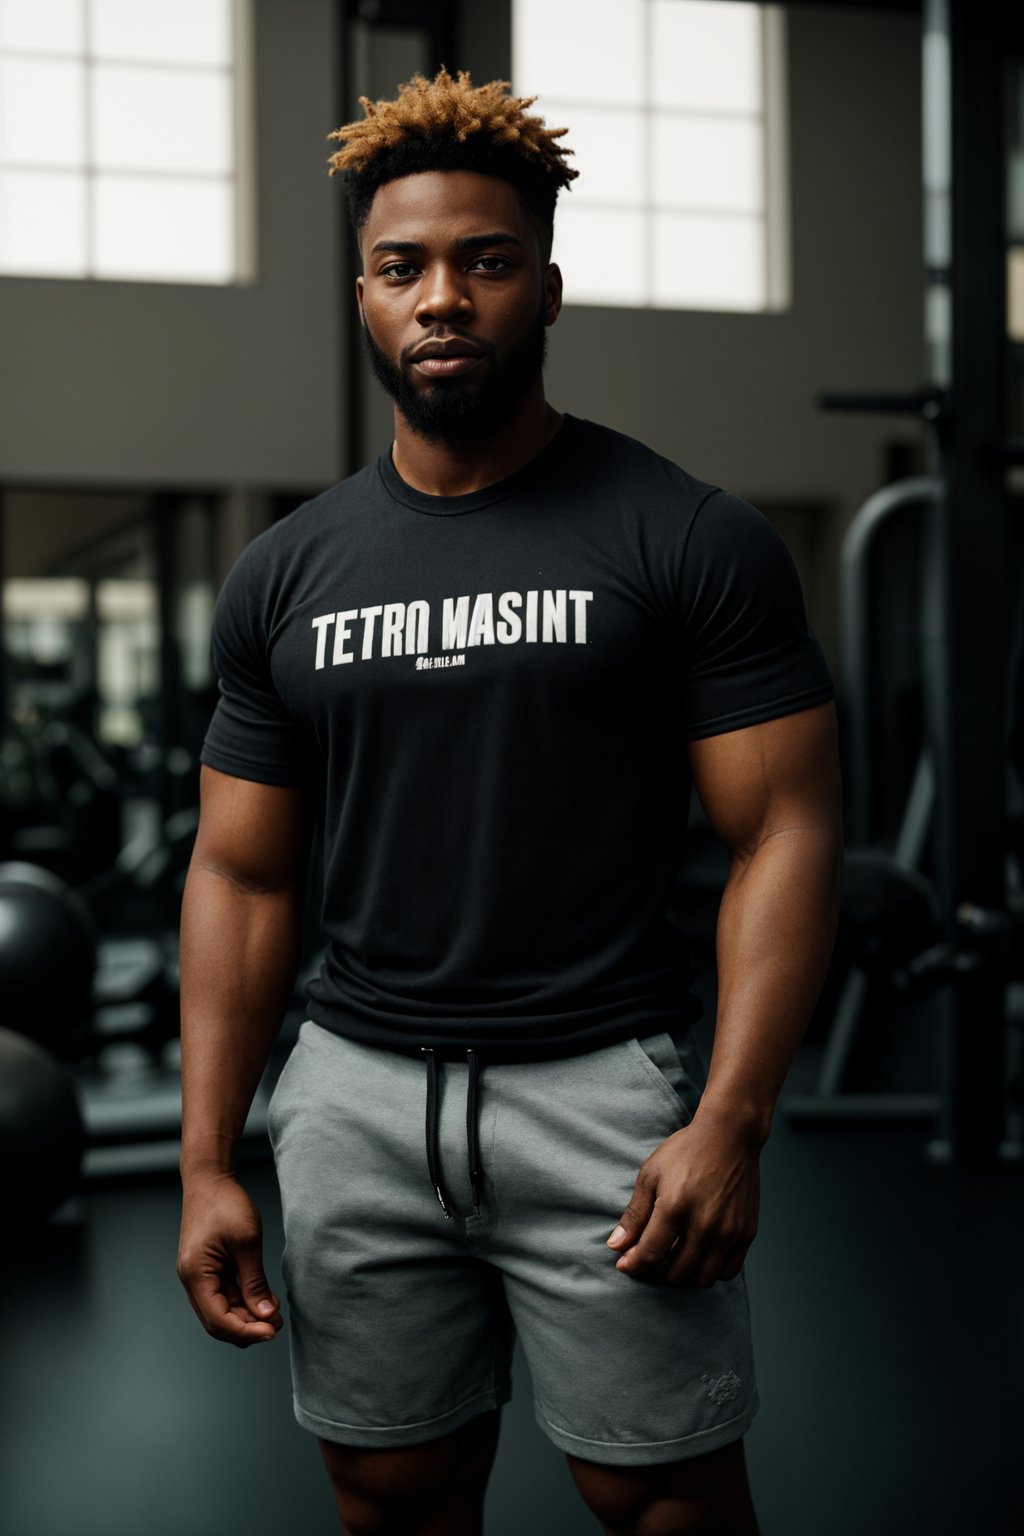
[446,333]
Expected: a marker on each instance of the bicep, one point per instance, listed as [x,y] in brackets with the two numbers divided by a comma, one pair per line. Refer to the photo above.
[774,777]
[254,834]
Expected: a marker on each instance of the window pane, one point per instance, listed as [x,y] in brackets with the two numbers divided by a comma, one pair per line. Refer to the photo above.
[565,50]
[47,26]
[161,120]
[708,162]
[175,230]
[171,31]
[708,263]
[608,152]
[41,112]
[706,54]
[42,223]
[601,254]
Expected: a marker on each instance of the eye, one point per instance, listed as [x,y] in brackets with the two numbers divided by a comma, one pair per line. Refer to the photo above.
[491,263]
[398,271]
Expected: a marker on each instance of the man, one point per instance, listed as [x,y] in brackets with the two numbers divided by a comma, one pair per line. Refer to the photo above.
[493,662]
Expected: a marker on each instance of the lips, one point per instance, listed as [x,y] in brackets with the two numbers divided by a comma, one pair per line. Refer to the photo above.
[446,359]
[445,349]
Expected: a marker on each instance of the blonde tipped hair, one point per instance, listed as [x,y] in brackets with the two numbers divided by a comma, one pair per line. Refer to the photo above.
[451,108]
[449,124]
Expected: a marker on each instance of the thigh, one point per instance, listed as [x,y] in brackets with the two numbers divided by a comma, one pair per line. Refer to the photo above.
[398,1332]
[625,1372]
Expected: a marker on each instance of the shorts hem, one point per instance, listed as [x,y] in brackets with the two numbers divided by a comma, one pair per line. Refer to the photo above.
[646,1453]
[403,1434]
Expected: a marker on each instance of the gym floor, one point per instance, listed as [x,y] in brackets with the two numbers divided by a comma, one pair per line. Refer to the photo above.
[888,1321]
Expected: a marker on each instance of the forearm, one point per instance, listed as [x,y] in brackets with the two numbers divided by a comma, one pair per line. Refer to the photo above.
[239,954]
[776,927]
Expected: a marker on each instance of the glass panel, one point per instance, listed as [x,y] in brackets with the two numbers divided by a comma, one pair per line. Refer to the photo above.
[562,50]
[706,54]
[608,152]
[601,254]
[173,31]
[708,263]
[42,120]
[708,162]
[169,229]
[161,119]
[46,26]
[42,223]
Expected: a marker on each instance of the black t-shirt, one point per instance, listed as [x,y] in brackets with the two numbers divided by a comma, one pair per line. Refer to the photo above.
[492,694]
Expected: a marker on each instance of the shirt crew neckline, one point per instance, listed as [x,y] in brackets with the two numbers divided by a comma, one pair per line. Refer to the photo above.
[475,501]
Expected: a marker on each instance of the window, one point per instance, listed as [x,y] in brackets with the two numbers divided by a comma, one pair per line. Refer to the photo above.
[119,140]
[675,115]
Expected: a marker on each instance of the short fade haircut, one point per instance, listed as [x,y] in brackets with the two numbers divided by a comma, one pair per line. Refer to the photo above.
[452,125]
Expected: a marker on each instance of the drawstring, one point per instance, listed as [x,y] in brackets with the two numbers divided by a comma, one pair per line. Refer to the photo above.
[472,1127]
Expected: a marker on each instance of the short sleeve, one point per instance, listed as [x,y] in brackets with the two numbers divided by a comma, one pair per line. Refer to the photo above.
[749,654]
[251,733]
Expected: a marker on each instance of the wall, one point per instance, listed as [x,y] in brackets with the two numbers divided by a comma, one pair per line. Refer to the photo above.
[150,383]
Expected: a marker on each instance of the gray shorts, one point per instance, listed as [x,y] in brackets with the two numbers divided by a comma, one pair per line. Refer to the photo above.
[402,1321]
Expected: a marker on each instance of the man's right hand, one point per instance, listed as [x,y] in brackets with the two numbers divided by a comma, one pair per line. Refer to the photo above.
[220,1262]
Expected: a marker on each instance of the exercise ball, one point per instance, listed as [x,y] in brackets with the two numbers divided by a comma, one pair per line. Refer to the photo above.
[42,1136]
[47,952]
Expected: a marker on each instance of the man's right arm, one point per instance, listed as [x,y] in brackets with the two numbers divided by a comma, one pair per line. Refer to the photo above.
[241,922]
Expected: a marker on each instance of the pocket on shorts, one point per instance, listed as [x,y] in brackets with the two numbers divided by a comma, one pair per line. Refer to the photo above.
[673,1064]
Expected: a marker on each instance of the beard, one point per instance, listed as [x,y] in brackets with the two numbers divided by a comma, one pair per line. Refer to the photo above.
[454,410]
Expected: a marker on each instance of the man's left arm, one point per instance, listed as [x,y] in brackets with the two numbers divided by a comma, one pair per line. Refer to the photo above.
[772,793]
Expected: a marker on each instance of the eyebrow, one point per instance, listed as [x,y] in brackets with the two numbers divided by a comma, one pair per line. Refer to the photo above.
[467,243]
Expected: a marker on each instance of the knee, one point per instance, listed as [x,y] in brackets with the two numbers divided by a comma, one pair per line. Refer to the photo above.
[653,1517]
[706,1496]
[418,1488]
[369,1515]
[387,1493]
[648,1514]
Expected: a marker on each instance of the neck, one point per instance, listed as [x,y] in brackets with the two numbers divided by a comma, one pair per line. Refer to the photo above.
[457,468]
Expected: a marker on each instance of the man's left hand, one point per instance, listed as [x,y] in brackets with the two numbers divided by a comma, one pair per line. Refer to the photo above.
[693,1212]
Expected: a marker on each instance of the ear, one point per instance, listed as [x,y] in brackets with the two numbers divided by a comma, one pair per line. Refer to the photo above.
[359,299]
[552,293]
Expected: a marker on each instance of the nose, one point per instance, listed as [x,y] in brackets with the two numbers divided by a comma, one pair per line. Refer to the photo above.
[443,294]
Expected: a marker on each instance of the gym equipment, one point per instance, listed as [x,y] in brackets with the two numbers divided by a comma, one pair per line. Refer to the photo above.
[969,560]
[890,911]
[61,799]
[47,952]
[42,1137]
[892,934]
